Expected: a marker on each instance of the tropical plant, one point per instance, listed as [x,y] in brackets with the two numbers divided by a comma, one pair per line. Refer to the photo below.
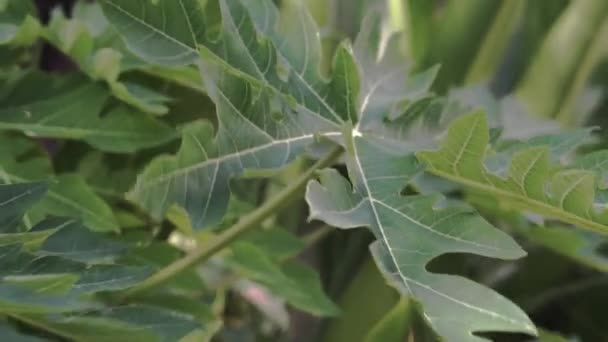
[173,170]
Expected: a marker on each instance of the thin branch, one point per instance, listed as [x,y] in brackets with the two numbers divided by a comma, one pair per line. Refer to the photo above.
[245,224]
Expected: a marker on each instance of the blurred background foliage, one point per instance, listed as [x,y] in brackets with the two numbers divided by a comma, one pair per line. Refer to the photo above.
[551,59]
[548,57]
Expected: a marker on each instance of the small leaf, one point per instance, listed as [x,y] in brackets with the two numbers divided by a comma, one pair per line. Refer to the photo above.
[68,195]
[18,26]
[74,242]
[15,199]
[70,108]
[17,299]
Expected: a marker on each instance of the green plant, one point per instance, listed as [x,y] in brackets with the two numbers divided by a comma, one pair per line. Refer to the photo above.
[158,190]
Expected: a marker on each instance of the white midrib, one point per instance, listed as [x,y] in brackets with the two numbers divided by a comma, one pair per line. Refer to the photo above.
[406,279]
[368,96]
[230,156]
[13,199]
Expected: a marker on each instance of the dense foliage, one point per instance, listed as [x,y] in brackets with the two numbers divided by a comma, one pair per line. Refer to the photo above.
[189,170]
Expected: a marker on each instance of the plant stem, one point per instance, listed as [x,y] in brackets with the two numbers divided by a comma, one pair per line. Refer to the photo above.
[245,224]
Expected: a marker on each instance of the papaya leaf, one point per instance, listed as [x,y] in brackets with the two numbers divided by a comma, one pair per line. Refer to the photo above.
[531,184]
[410,230]
[261,125]
[50,287]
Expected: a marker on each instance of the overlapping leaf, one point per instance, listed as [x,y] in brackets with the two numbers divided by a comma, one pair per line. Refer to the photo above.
[67,107]
[68,195]
[267,115]
[51,285]
[532,182]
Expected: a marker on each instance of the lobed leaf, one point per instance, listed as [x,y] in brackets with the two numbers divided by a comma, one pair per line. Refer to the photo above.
[410,230]
[532,183]
[257,130]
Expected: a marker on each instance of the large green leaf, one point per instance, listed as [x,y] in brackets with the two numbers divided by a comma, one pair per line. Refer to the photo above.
[411,230]
[258,129]
[70,108]
[532,183]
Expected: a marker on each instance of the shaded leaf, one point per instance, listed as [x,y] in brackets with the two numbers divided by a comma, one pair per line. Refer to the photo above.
[15,199]
[68,195]
[87,39]
[297,284]
[582,246]
[67,107]
[73,241]
[8,333]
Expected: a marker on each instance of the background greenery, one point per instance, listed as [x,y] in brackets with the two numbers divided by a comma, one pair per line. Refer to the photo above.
[96,109]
